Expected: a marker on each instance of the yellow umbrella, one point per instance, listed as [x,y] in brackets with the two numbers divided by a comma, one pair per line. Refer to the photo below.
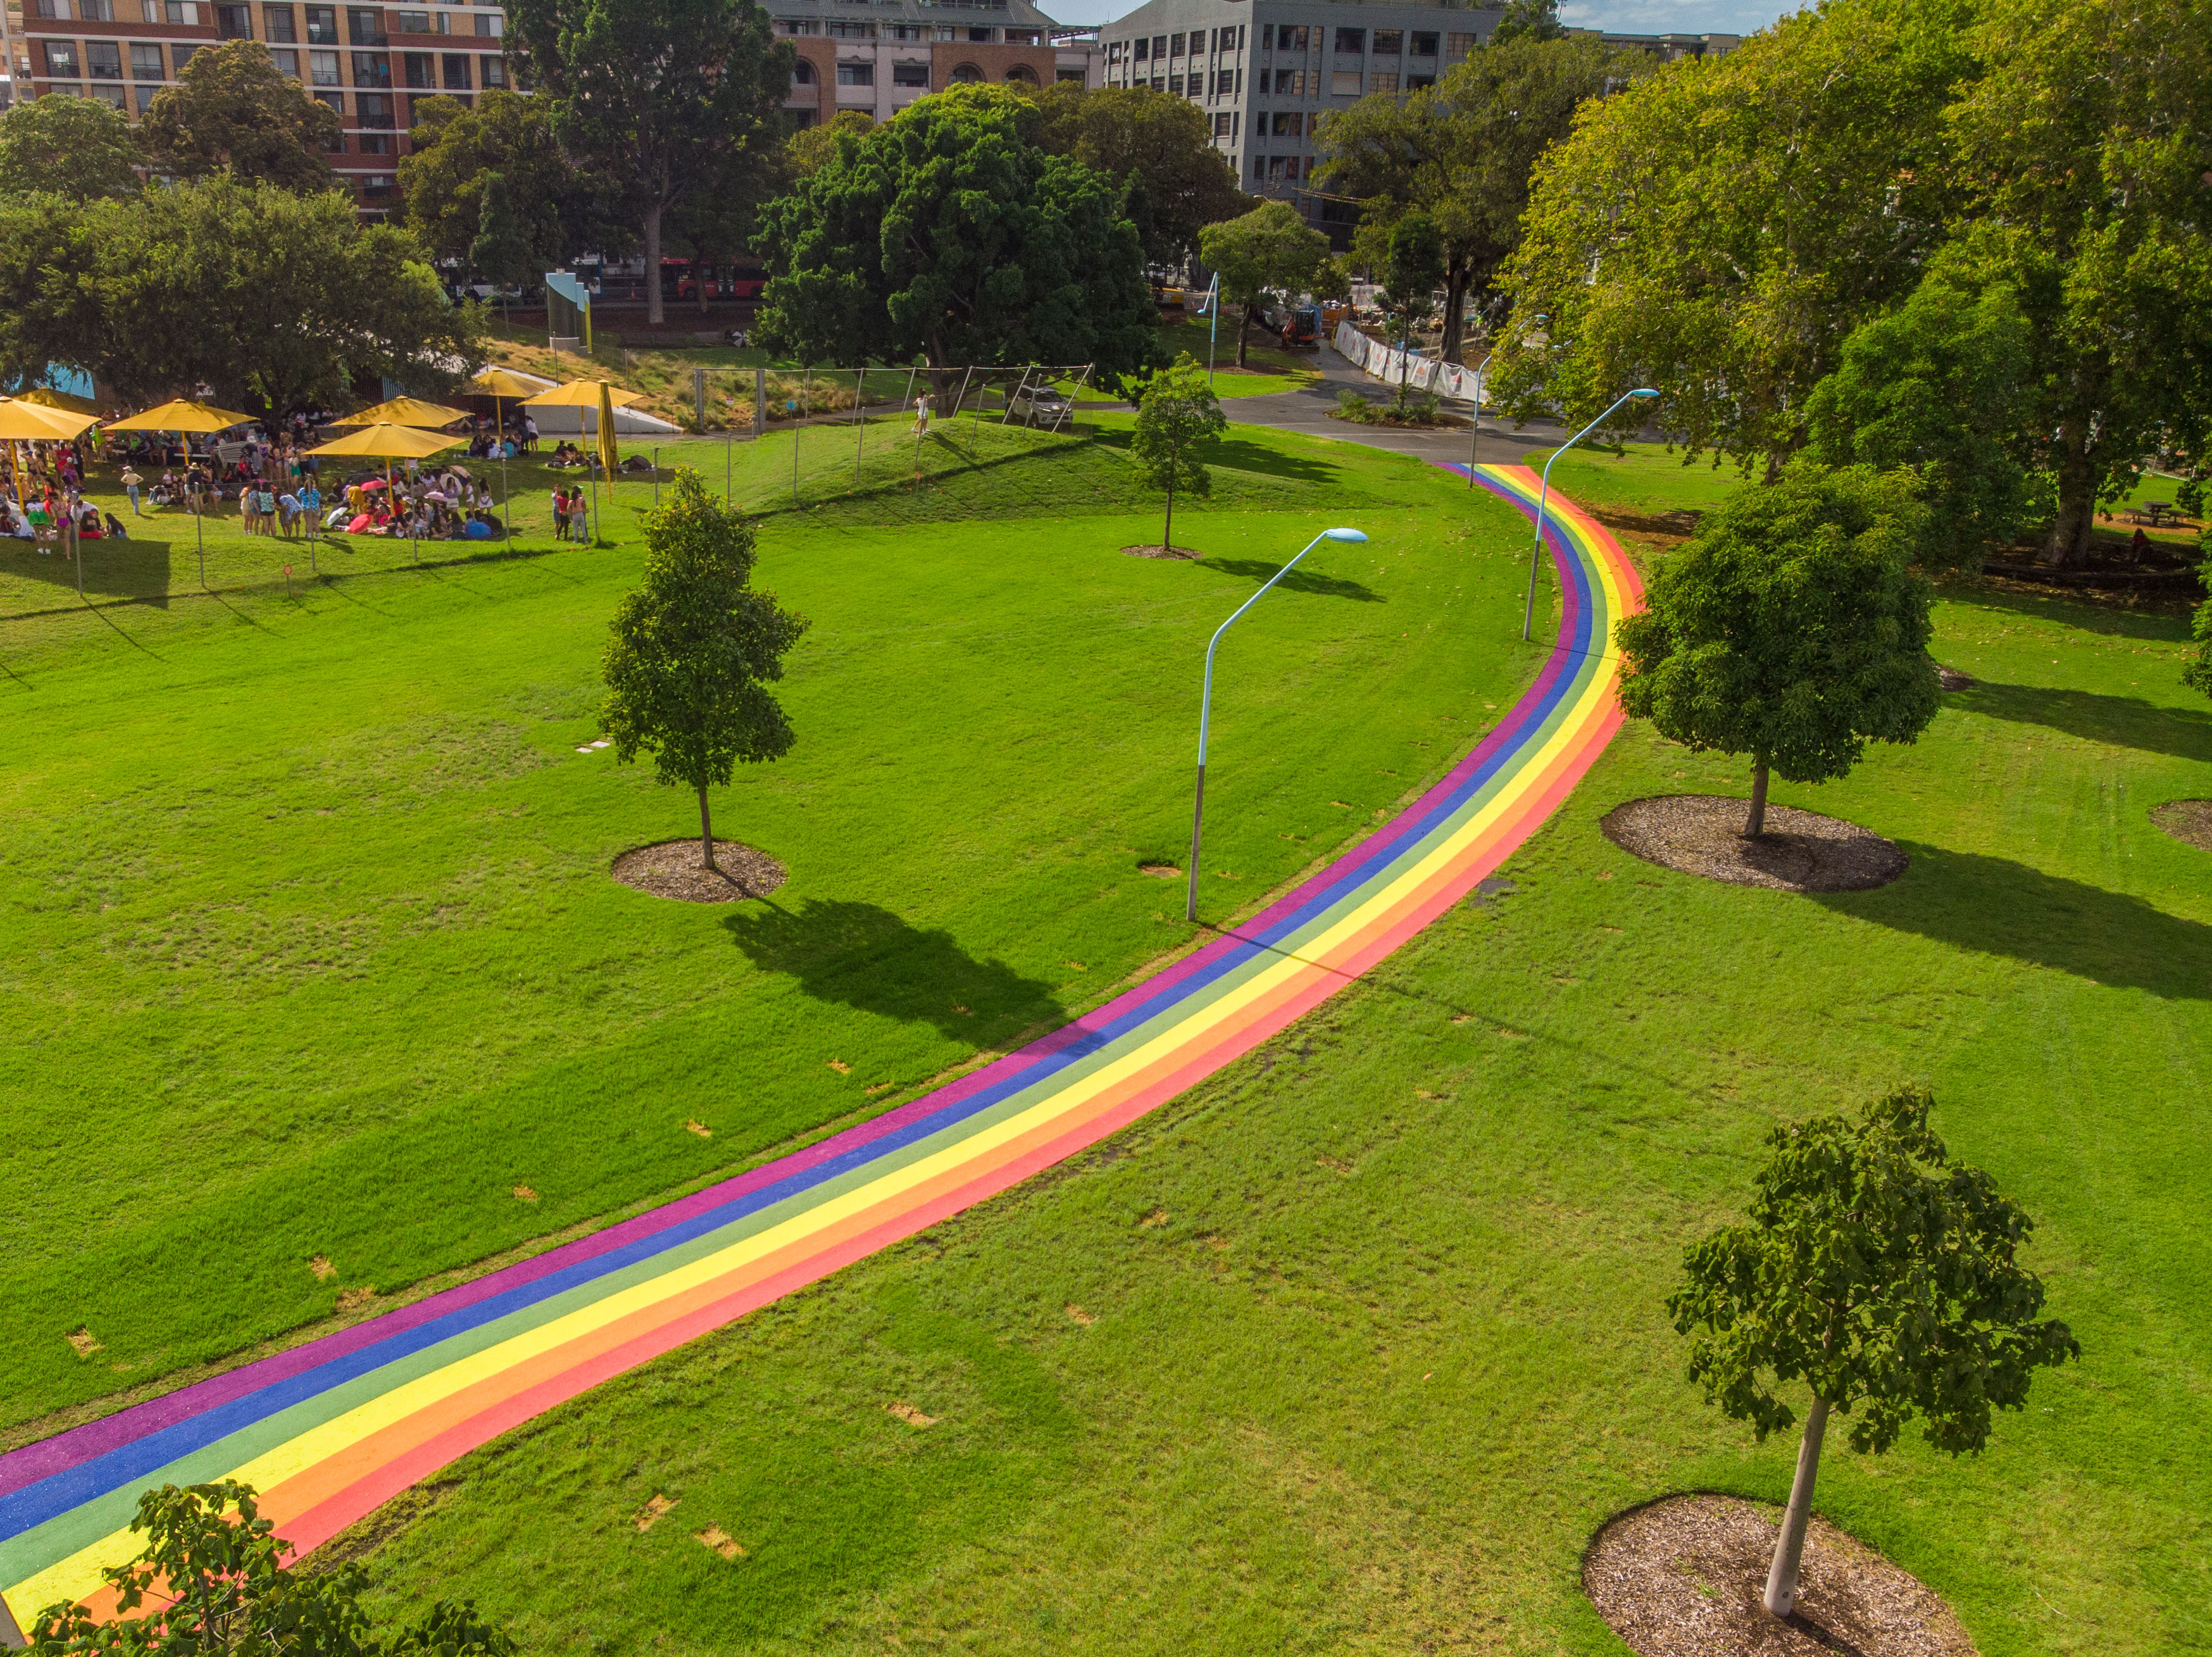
[384,442]
[405,412]
[504,382]
[52,399]
[22,422]
[583,394]
[181,416]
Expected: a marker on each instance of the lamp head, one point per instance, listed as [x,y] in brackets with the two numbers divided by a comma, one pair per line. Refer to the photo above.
[1342,535]
[1644,391]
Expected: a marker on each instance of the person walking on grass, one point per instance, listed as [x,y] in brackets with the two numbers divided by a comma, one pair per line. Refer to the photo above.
[131,479]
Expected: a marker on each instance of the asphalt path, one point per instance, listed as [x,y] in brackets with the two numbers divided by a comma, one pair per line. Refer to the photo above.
[1308,411]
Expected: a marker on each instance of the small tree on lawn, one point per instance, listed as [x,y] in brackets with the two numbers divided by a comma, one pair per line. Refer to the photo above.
[212,1579]
[1268,251]
[1411,276]
[1790,629]
[1875,1272]
[693,652]
[1177,413]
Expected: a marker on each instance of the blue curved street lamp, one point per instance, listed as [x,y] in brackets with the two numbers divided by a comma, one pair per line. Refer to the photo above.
[1544,496]
[1205,704]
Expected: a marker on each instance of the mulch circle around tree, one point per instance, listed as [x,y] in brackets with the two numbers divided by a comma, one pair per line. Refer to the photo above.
[1800,852]
[2189,820]
[1949,679]
[1154,549]
[673,868]
[1682,1577]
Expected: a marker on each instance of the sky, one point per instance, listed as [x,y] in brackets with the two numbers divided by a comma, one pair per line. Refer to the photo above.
[1629,16]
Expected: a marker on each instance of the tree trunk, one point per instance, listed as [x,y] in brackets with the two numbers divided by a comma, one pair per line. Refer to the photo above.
[706,832]
[702,277]
[1167,533]
[1455,286]
[1405,354]
[653,314]
[1757,826]
[1781,1597]
[1245,316]
[2076,517]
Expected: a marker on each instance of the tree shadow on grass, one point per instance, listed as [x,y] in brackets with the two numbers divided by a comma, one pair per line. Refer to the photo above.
[133,568]
[2117,721]
[865,956]
[1998,907]
[1257,570]
[1242,454]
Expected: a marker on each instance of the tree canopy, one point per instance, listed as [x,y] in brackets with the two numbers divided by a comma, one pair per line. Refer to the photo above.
[1879,1275]
[658,96]
[1176,412]
[1790,628]
[233,111]
[1267,251]
[457,149]
[809,147]
[76,148]
[1464,150]
[694,650]
[945,233]
[1164,144]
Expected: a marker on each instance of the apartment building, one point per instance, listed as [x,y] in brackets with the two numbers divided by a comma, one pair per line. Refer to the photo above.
[370,63]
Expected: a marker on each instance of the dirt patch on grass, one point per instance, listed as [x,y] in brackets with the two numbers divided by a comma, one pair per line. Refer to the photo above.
[2189,820]
[1683,1578]
[1949,679]
[1800,852]
[718,1540]
[910,1415]
[1658,531]
[1153,549]
[85,1343]
[674,868]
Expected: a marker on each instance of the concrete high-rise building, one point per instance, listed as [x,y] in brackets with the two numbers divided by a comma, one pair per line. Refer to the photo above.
[371,62]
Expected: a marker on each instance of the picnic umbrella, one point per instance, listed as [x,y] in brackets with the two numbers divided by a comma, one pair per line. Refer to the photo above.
[182,416]
[46,395]
[389,442]
[590,394]
[25,421]
[405,412]
[502,385]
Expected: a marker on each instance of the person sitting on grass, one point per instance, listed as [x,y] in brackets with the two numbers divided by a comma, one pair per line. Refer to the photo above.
[115,530]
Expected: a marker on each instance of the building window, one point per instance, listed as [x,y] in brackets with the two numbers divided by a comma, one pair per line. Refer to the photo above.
[276,26]
[287,62]
[1290,81]
[1021,37]
[1458,45]
[906,32]
[1383,81]
[1351,41]
[979,36]
[55,12]
[61,60]
[415,69]
[103,60]
[492,25]
[144,96]
[323,69]
[111,96]
[856,75]
[1021,75]
[1287,123]
[1159,45]
[1258,167]
[1221,124]
[322,26]
[1074,74]
[145,62]
[234,22]
[1144,49]
[967,75]
[1175,85]
[494,70]
[1345,83]
[1390,42]
[1175,46]
[371,70]
[801,119]
[802,74]
[181,56]
[96,11]
[1424,45]
[184,12]
[376,183]
[413,22]
[365,26]
[375,143]
[374,109]
[843,29]
[454,67]
[909,75]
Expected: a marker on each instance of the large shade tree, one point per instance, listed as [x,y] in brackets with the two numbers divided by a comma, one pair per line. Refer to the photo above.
[234,110]
[945,233]
[78,147]
[1718,229]
[457,149]
[660,96]
[1791,630]
[1873,1273]
[1165,145]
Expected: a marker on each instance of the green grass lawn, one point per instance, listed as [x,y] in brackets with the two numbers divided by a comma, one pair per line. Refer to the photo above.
[311,947]
[1352,1348]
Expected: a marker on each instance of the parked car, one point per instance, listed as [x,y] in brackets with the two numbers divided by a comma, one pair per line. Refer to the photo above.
[1041,403]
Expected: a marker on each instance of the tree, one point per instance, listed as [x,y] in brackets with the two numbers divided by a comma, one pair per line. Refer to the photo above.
[1790,628]
[50,303]
[1415,265]
[1529,19]
[1936,387]
[809,147]
[76,148]
[1177,412]
[457,147]
[1267,251]
[503,250]
[716,222]
[2197,673]
[269,298]
[1162,143]
[1874,1270]
[1463,152]
[2087,141]
[232,111]
[661,95]
[693,652]
[945,233]
[212,1579]
[1717,230]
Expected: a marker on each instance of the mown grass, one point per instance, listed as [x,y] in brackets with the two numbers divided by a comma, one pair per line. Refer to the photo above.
[310,944]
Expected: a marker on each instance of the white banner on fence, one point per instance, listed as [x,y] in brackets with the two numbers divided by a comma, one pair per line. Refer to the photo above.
[1386,363]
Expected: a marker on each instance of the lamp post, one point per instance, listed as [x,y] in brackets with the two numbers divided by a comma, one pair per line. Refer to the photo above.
[1475,422]
[1212,309]
[1205,704]
[1544,496]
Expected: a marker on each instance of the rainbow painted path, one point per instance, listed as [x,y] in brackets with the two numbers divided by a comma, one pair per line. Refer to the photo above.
[330,1430]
